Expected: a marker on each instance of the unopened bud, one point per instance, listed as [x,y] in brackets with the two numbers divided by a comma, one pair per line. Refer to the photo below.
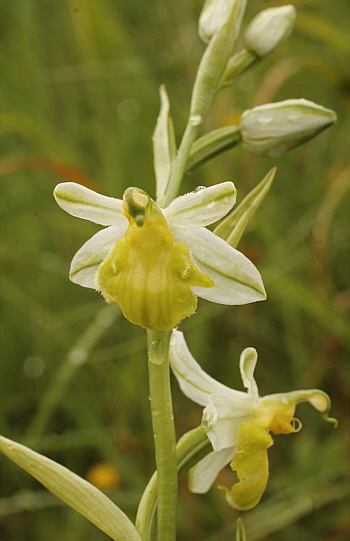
[272,129]
[268,28]
[214,15]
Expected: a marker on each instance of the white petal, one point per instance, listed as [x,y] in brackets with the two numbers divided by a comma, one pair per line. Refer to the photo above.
[193,381]
[87,260]
[223,415]
[203,474]
[89,205]
[237,280]
[202,207]
[247,365]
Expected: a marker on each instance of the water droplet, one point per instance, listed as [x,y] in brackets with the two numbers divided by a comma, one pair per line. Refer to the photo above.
[264,118]
[155,352]
[208,200]
[33,367]
[195,120]
[78,355]
[199,189]
[226,200]
[128,110]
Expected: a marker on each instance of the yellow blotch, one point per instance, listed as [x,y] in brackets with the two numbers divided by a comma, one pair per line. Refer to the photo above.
[252,467]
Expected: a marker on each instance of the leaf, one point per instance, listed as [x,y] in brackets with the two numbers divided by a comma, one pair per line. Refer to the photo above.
[73,490]
[232,227]
[164,145]
[240,531]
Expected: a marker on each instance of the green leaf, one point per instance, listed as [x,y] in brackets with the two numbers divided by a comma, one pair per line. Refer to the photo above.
[232,227]
[240,531]
[73,490]
[164,145]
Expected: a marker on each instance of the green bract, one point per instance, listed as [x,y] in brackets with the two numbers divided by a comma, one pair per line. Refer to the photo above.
[238,423]
[154,262]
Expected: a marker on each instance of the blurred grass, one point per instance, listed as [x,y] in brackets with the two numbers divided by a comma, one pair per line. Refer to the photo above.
[79,100]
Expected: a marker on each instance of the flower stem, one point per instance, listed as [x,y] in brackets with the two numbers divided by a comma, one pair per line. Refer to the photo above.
[164,432]
[180,163]
[190,449]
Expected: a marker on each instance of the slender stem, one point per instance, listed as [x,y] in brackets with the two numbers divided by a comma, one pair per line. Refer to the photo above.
[191,448]
[180,163]
[164,432]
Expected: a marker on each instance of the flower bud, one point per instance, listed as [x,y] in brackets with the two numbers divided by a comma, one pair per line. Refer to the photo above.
[268,28]
[272,129]
[214,15]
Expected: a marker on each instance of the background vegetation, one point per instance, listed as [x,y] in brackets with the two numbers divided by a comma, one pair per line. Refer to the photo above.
[80,99]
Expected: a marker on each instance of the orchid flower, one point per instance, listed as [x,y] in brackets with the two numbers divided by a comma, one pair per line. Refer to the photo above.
[238,424]
[155,262]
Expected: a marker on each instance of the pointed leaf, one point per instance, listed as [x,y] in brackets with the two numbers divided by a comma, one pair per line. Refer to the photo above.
[233,226]
[164,145]
[73,490]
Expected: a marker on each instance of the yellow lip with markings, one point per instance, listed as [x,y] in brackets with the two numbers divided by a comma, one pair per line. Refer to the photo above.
[148,274]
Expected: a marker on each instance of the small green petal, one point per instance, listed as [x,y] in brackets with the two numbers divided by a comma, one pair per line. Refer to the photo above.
[252,467]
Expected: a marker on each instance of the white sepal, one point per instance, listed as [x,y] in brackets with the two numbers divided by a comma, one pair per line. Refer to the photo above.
[237,280]
[89,205]
[194,382]
[88,258]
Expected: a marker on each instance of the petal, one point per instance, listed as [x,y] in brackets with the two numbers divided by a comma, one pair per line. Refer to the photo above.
[318,399]
[223,416]
[247,365]
[237,280]
[202,207]
[193,381]
[252,467]
[87,260]
[203,474]
[89,205]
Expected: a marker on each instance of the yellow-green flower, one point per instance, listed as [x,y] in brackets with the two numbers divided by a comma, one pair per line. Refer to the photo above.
[238,424]
[155,262]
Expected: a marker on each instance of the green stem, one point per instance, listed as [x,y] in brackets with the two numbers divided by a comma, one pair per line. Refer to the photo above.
[191,448]
[212,144]
[164,432]
[180,163]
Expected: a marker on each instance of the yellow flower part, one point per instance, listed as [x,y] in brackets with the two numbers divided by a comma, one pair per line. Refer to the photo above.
[238,424]
[155,261]
[252,467]
[147,273]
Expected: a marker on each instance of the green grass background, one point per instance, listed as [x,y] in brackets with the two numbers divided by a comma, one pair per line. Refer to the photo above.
[79,101]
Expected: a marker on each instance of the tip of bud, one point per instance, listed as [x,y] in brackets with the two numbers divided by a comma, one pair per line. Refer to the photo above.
[269,28]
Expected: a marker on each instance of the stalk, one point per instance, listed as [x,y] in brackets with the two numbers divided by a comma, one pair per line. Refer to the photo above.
[164,432]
